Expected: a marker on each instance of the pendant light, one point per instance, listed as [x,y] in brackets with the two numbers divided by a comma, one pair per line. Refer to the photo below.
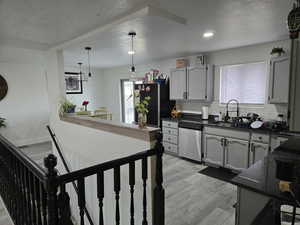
[132,52]
[88,49]
[294,20]
[81,74]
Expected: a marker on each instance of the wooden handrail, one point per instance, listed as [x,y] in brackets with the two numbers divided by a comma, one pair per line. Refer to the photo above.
[92,170]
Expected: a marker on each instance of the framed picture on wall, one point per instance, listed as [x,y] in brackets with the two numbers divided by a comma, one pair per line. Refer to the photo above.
[73,83]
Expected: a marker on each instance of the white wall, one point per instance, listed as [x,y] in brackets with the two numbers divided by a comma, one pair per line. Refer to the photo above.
[92,90]
[26,105]
[112,76]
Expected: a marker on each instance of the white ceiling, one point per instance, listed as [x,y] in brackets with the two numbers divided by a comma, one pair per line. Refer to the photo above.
[43,24]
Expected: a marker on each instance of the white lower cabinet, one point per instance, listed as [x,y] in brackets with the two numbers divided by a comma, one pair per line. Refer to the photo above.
[226,152]
[258,151]
[213,149]
[236,154]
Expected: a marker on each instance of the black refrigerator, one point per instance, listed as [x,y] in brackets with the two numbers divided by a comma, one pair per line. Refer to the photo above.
[160,105]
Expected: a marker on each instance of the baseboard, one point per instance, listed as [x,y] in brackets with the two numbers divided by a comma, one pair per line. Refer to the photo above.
[20,143]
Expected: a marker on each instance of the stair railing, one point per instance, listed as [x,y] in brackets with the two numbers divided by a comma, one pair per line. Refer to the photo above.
[34,196]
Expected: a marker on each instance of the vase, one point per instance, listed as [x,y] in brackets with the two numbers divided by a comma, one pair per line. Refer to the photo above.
[142,120]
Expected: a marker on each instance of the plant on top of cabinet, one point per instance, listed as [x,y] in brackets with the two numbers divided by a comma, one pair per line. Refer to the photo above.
[277,52]
[2,122]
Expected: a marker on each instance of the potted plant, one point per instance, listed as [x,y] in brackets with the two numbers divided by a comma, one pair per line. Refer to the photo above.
[2,122]
[66,107]
[276,52]
[142,110]
[85,104]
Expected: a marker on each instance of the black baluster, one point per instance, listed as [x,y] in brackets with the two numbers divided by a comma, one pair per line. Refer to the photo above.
[64,207]
[159,192]
[44,204]
[24,206]
[100,195]
[28,199]
[117,188]
[18,194]
[38,200]
[145,177]
[132,183]
[51,187]
[81,199]
[33,191]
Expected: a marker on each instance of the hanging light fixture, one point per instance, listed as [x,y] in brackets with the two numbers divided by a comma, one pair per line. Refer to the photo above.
[294,20]
[88,49]
[132,52]
[82,75]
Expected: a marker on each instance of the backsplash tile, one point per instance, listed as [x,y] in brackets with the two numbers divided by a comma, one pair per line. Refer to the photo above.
[267,111]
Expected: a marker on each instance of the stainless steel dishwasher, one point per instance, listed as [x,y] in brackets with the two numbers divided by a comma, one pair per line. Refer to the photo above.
[190,140]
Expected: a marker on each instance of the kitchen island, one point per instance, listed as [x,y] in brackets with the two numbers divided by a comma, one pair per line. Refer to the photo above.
[259,195]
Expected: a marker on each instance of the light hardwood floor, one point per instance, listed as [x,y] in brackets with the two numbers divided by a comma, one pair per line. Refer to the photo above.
[196,199]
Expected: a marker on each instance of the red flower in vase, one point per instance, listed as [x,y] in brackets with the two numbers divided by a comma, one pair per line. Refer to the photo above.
[84,103]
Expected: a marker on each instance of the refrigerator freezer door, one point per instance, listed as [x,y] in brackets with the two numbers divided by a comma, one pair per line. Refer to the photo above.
[190,144]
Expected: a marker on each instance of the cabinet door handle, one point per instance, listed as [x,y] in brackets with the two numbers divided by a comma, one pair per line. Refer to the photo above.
[222,142]
[252,147]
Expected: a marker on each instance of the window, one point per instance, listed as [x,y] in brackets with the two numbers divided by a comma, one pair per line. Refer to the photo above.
[127,101]
[246,83]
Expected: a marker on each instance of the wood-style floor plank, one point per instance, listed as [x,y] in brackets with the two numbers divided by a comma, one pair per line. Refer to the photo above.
[196,199]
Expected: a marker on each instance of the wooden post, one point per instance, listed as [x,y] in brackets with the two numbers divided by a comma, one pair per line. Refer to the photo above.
[50,163]
[159,192]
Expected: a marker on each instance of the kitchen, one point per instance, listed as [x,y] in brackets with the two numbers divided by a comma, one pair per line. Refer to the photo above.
[202,87]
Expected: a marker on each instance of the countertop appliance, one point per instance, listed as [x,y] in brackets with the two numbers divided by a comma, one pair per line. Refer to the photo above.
[190,135]
[205,113]
[160,104]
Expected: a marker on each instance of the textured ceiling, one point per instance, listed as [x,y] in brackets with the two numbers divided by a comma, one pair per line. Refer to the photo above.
[44,23]
[50,22]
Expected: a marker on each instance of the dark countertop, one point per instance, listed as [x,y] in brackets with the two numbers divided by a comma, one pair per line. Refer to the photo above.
[261,178]
[198,121]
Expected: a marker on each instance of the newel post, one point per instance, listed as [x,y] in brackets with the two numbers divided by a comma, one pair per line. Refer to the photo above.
[50,163]
[159,192]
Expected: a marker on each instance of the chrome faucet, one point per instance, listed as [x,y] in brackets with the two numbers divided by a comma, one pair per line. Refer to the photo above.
[237,109]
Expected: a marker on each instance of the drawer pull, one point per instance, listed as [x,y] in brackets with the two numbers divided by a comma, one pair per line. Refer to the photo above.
[169,139]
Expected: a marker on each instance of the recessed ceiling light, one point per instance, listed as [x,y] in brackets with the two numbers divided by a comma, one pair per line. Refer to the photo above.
[208,34]
[131,52]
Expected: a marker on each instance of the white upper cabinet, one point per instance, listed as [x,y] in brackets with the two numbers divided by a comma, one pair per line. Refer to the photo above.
[198,83]
[178,84]
[279,80]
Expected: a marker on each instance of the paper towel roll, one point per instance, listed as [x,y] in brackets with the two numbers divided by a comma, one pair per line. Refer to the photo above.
[205,113]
